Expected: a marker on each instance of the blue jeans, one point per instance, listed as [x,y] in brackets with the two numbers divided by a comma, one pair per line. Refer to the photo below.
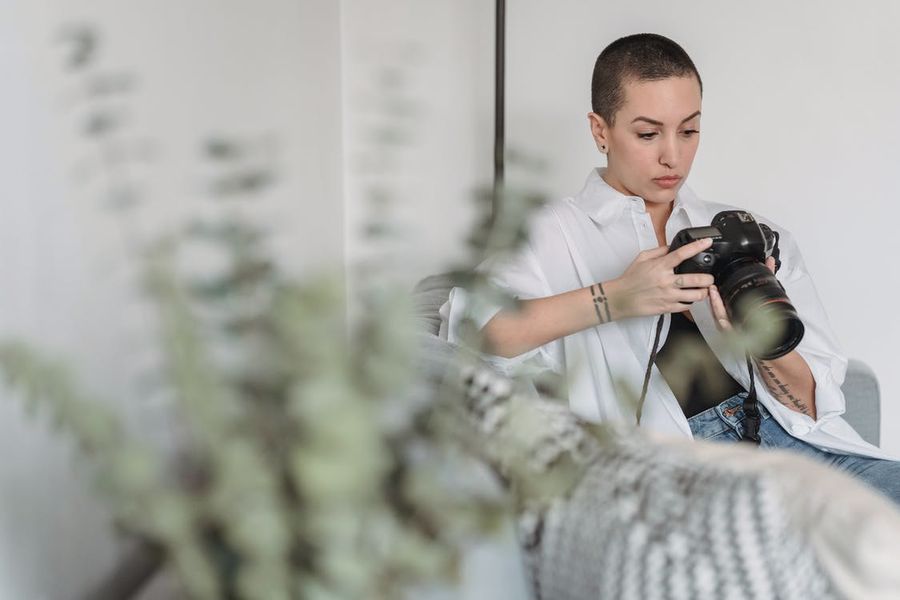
[725,423]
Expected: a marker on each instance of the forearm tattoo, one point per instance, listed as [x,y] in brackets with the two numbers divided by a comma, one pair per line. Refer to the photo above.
[601,304]
[781,391]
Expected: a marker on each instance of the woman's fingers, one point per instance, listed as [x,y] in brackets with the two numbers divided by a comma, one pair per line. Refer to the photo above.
[651,253]
[692,280]
[715,300]
[690,295]
[770,262]
[718,309]
[679,255]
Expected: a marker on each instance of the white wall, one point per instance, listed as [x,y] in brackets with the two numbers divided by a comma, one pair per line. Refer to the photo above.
[204,67]
[442,53]
[437,57]
[799,123]
[47,513]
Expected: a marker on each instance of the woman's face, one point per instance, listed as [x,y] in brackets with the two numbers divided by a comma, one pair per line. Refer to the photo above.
[656,134]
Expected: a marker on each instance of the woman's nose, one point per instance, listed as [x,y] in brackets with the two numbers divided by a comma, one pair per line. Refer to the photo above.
[669,153]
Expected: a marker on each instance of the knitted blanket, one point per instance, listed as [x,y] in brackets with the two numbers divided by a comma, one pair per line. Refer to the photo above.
[614,513]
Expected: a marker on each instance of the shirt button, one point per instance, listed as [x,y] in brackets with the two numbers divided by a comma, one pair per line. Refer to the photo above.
[800,429]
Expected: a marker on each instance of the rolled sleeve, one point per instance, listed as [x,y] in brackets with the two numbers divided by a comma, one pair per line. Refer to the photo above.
[519,275]
[830,401]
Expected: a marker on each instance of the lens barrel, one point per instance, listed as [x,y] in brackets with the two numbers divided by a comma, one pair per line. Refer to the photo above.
[759,307]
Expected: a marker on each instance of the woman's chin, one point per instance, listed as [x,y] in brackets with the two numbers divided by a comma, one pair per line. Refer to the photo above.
[661,197]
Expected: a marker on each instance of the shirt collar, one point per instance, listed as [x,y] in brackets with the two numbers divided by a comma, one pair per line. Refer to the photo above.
[603,203]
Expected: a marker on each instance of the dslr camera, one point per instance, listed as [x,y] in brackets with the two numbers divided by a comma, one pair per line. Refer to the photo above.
[755,300]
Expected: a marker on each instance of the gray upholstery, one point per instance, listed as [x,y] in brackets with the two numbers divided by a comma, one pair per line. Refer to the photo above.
[863,401]
[428,297]
[860,386]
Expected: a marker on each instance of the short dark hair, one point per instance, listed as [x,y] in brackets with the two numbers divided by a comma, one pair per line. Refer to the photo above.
[638,57]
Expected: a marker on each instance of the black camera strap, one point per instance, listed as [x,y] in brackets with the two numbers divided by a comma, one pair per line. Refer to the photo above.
[640,408]
[752,416]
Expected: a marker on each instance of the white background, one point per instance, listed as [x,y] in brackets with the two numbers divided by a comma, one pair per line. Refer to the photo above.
[204,68]
[799,123]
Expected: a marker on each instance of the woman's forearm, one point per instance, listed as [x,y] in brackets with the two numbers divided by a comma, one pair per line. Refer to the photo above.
[647,287]
[542,320]
[790,381]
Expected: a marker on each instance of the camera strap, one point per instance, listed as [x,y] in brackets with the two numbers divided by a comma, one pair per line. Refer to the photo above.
[752,416]
[640,408]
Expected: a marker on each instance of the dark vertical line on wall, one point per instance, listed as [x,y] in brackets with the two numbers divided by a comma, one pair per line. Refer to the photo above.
[499,101]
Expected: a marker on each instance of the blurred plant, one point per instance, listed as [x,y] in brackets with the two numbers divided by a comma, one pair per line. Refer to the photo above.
[97,95]
[296,478]
[304,467]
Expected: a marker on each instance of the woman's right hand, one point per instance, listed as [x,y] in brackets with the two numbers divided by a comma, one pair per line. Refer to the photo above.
[650,286]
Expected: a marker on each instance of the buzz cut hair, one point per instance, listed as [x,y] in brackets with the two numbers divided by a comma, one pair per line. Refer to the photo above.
[638,57]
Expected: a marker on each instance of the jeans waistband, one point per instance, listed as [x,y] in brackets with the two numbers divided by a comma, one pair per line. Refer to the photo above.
[728,414]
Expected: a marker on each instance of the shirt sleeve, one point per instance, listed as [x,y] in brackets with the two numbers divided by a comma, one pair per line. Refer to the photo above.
[819,346]
[520,275]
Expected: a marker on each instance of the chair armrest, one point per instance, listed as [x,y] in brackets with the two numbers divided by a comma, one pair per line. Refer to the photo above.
[863,398]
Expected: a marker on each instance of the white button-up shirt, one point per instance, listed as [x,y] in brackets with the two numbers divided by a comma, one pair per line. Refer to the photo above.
[593,237]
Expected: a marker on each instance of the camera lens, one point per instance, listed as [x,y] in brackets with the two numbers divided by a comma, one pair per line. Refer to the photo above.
[760,309]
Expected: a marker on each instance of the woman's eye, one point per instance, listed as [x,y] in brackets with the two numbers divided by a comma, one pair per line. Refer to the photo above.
[649,136]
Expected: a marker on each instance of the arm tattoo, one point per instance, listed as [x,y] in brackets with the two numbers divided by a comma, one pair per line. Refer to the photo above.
[601,305]
[780,390]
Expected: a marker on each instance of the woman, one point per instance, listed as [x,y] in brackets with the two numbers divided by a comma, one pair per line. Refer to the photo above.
[596,274]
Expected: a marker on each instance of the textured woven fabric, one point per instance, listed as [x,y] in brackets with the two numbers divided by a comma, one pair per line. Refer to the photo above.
[645,526]
[634,519]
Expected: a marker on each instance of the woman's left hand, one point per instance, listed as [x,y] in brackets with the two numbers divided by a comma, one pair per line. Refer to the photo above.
[718,307]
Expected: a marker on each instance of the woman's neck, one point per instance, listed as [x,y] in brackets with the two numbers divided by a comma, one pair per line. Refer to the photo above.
[659,216]
[659,212]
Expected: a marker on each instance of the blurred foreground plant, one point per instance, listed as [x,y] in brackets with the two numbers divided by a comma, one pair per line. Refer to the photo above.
[304,471]
[307,464]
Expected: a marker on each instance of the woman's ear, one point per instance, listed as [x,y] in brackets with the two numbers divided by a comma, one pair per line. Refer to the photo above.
[599,131]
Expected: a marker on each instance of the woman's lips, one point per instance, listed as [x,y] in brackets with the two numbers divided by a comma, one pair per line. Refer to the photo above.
[667,182]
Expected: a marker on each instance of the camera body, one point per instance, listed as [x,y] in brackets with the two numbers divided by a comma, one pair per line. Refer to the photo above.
[736,237]
[755,300]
